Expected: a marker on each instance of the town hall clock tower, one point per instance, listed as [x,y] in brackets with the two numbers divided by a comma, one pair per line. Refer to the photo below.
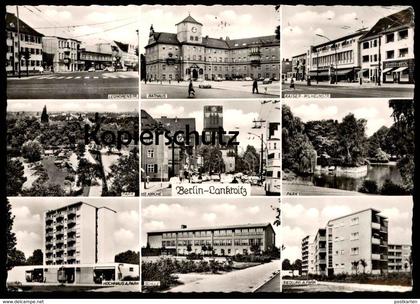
[189,31]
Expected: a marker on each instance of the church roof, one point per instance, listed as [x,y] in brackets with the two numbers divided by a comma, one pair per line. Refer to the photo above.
[190,20]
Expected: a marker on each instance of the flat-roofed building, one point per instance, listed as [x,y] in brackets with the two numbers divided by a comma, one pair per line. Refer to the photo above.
[399,258]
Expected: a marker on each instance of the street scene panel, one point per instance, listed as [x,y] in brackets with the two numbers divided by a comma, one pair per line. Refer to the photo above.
[213,145]
[72,148]
[68,245]
[348,51]
[348,147]
[72,52]
[355,244]
[207,245]
[203,51]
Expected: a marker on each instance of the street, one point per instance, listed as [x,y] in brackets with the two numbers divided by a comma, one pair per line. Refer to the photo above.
[349,91]
[75,85]
[271,286]
[222,89]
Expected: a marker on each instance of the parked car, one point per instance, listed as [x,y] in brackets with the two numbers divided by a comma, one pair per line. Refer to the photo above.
[274,79]
[195,179]
[205,177]
[215,178]
[109,69]
[217,78]
[204,85]
[228,78]
[91,69]
[267,81]
[260,78]
[248,78]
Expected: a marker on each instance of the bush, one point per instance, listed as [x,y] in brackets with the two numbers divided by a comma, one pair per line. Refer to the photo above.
[369,186]
[389,188]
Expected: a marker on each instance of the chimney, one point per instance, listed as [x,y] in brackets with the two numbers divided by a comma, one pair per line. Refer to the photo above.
[183,226]
[227,38]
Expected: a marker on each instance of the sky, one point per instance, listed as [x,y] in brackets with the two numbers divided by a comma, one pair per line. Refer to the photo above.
[258,20]
[300,24]
[303,216]
[29,213]
[376,112]
[171,213]
[124,20]
[67,105]
[237,115]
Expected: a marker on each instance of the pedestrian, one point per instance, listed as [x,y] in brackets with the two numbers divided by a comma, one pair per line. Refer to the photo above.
[145,80]
[292,84]
[191,89]
[255,86]
[360,80]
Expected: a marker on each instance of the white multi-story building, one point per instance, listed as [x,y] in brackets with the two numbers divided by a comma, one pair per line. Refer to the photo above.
[30,42]
[399,258]
[347,241]
[387,49]
[61,54]
[273,171]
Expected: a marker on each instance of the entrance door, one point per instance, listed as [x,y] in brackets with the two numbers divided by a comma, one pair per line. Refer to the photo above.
[194,74]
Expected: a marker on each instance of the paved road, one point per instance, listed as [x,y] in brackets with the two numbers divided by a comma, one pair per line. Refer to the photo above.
[309,190]
[350,91]
[271,286]
[77,85]
[181,91]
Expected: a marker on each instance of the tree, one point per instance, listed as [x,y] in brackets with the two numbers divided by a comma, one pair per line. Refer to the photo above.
[80,149]
[15,177]
[189,248]
[16,258]
[255,249]
[355,265]
[129,257]
[297,265]
[10,238]
[363,263]
[125,174]
[204,248]
[37,258]
[87,171]
[212,159]
[32,150]
[44,115]
[285,265]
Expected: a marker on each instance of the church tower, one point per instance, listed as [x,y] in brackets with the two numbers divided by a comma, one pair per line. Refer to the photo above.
[189,30]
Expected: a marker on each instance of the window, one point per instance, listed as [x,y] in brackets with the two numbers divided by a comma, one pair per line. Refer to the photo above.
[389,54]
[355,251]
[151,168]
[365,58]
[365,45]
[389,38]
[403,53]
[402,34]
[355,221]
[150,153]
[354,236]
[192,38]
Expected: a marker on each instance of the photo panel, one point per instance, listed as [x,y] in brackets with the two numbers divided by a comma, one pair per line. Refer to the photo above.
[347,51]
[72,148]
[207,245]
[348,147]
[197,51]
[74,245]
[354,244]
[211,148]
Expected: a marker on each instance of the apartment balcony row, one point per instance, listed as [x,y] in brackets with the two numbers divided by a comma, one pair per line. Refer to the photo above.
[379,257]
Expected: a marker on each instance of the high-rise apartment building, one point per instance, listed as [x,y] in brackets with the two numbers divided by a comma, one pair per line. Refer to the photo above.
[399,257]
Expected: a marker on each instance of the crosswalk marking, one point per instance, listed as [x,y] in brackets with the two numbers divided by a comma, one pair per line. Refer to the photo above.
[86,77]
[78,77]
[109,76]
[96,77]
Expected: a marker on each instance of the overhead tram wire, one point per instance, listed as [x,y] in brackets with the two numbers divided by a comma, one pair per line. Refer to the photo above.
[88,24]
[106,30]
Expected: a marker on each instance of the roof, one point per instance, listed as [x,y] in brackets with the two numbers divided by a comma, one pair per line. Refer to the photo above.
[358,33]
[147,121]
[63,38]
[77,204]
[123,46]
[177,124]
[394,21]
[364,210]
[171,38]
[249,225]
[11,25]
[190,20]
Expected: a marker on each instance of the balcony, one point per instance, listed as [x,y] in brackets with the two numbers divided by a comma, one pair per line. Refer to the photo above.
[376,256]
[376,241]
[376,226]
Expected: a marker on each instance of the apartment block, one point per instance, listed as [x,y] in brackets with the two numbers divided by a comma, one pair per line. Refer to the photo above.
[223,240]
[347,241]
[61,54]
[399,258]
[79,234]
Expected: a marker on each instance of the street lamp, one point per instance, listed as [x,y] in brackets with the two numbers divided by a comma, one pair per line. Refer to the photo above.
[262,151]
[335,54]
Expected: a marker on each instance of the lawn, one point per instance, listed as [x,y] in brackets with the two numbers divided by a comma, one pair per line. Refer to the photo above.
[56,175]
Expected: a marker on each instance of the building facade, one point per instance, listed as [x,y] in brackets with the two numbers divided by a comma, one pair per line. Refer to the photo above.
[78,234]
[399,258]
[336,60]
[299,66]
[124,55]
[189,54]
[346,242]
[387,49]
[96,56]
[286,69]
[61,54]
[30,42]
[273,164]
[224,240]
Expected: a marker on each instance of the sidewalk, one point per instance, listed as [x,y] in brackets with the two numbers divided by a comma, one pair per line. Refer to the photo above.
[153,186]
[245,280]
[368,287]
[353,84]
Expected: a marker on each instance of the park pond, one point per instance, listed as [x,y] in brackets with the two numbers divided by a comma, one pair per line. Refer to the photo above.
[352,182]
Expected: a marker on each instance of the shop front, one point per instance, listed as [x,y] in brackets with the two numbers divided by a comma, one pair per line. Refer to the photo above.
[399,71]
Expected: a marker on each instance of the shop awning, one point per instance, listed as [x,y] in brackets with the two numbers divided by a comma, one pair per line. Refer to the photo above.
[320,73]
[343,72]
[104,268]
[400,69]
[387,70]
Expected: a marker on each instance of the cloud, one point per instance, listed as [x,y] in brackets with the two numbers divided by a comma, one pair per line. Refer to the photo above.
[124,236]
[166,109]
[163,211]
[335,211]
[224,208]
[253,210]
[292,210]
[28,241]
[154,225]
[209,217]
[58,15]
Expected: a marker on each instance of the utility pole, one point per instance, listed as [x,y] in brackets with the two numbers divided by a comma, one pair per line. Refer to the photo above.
[18,34]
[379,60]
[261,137]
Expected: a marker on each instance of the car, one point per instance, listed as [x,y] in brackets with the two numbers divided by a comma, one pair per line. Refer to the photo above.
[267,81]
[91,69]
[274,79]
[215,177]
[195,179]
[204,85]
[205,177]
[227,179]
[217,78]
[248,78]
[228,78]
[109,69]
